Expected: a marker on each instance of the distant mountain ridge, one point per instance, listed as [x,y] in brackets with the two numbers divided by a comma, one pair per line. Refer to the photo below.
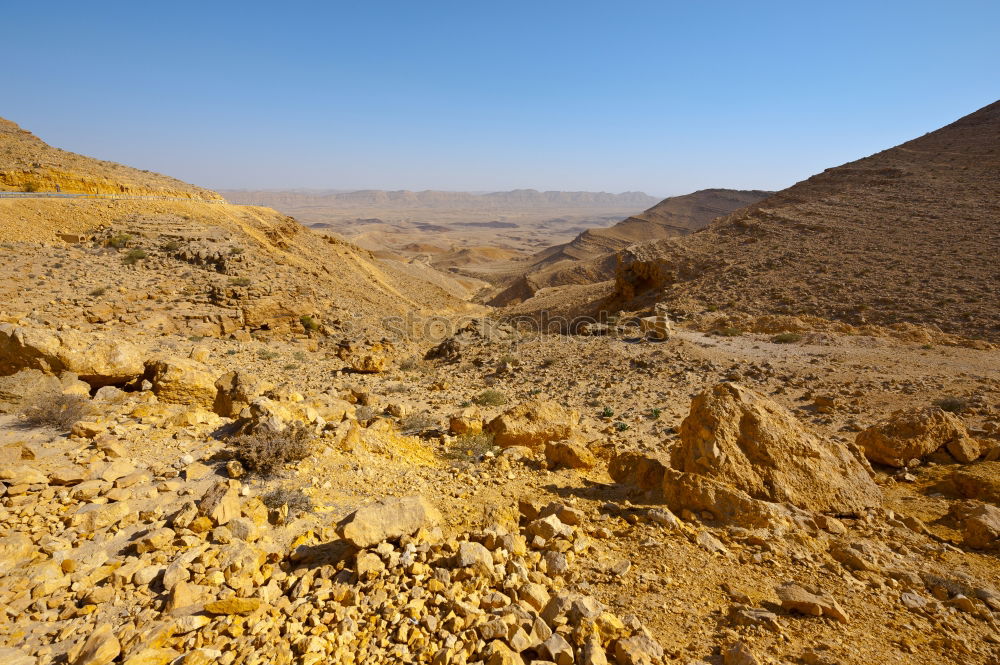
[438,199]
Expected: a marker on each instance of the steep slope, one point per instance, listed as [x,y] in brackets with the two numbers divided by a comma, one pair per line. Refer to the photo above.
[588,258]
[28,164]
[908,235]
[169,265]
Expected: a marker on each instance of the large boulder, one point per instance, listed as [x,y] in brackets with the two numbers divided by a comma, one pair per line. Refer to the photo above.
[389,519]
[533,424]
[182,381]
[236,390]
[915,434]
[740,438]
[96,360]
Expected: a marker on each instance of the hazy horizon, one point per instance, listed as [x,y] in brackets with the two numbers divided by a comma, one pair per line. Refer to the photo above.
[652,97]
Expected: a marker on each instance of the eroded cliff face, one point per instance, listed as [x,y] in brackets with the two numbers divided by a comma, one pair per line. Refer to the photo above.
[58,180]
[28,164]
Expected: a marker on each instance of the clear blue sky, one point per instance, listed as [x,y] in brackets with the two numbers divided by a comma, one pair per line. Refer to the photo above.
[664,97]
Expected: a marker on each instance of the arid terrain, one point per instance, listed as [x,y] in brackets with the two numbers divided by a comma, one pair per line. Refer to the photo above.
[226,437]
[451,228]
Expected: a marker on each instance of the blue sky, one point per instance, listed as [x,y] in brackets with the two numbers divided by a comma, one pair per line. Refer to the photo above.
[663,97]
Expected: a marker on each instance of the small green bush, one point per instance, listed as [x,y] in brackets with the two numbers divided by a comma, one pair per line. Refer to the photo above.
[655,413]
[239,281]
[134,256]
[172,246]
[621,427]
[607,412]
[490,397]
[98,292]
[31,187]
[787,338]
[119,240]
[308,322]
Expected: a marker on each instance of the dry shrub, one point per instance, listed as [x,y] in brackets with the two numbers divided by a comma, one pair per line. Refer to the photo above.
[954,405]
[470,447]
[264,453]
[418,423]
[296,500]
[56,410]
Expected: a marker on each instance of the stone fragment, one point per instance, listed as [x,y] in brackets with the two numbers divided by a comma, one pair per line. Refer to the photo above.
[221,503]
[101,647]
[12,656]
[236,390]
[739,653]
[16,550]
[569,454]
[233,606]
[470,553]
[637,650]
[22,474]
[796,599]
[94,359]
[388,519]
[981,527]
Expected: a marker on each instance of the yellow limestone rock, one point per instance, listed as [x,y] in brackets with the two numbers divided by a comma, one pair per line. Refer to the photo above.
[233,606]
[533,424]
[101,648]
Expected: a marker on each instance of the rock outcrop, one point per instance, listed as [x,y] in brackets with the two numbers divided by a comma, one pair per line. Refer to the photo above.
[98,361]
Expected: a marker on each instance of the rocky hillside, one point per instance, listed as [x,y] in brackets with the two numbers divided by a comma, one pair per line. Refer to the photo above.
[908,235]
[150,267]
[225,438]
[589,257]
[28,164]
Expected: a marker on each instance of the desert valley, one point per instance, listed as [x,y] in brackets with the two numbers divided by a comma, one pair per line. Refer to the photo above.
[732,427]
